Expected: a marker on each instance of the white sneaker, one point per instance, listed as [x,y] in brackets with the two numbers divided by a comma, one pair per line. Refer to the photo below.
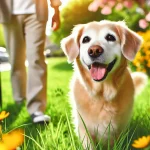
[40,117]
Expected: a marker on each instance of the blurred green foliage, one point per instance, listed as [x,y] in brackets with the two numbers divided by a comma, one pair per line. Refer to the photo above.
[2,42]
[76,12]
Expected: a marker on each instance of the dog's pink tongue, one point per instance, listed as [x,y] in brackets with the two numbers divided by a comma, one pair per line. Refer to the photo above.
[97,72]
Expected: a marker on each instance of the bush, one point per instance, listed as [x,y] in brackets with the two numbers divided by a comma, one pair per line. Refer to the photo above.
[142,59]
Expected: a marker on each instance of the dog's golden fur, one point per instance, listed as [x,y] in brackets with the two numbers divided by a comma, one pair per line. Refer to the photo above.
[104,103]
[92,101]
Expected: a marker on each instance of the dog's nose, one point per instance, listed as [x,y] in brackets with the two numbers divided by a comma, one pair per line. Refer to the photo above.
[95,51]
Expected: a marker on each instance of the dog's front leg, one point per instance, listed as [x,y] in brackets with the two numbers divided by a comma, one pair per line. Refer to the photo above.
[85,138]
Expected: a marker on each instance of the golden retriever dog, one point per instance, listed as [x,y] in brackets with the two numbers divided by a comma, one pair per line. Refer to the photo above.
[102,89]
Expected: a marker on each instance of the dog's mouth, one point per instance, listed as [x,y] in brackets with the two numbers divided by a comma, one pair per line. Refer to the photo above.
[99,71]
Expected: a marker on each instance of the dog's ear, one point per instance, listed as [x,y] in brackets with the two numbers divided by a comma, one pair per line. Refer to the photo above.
[70,45]
[130,41]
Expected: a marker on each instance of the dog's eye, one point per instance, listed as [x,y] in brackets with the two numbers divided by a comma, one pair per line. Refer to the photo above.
[86,39]
[110,37]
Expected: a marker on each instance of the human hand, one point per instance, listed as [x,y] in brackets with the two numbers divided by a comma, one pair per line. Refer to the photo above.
[56,20]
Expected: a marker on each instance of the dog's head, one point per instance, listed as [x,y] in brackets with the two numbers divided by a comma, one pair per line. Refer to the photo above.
[100,46]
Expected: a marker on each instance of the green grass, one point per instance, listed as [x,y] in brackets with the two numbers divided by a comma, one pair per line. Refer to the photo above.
[2,42]
[59,134]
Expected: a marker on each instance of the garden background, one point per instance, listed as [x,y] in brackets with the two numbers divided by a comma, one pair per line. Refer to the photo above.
[59,134]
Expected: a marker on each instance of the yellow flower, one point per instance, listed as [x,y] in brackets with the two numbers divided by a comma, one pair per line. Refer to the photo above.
[142,142]
[3,115]
[144,70]
[12,140]
[141,61]
[3,146]
[148,64]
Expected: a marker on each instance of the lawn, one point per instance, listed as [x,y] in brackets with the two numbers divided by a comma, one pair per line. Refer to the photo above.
[59,135]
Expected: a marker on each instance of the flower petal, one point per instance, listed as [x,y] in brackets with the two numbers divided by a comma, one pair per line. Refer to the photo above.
[13,139]
[148,17]
[141,142]
[106,10]
[143,23]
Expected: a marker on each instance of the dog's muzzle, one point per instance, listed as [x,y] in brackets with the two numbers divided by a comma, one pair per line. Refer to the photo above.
[100,71]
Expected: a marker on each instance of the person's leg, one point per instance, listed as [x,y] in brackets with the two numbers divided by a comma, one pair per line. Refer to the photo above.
[37,70]
[15,45]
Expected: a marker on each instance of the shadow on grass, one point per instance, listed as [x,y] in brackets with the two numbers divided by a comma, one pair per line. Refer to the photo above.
[15,110]
[33,132]
[63,66]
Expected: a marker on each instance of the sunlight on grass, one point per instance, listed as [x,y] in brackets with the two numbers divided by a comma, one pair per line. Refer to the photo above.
[59,134]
